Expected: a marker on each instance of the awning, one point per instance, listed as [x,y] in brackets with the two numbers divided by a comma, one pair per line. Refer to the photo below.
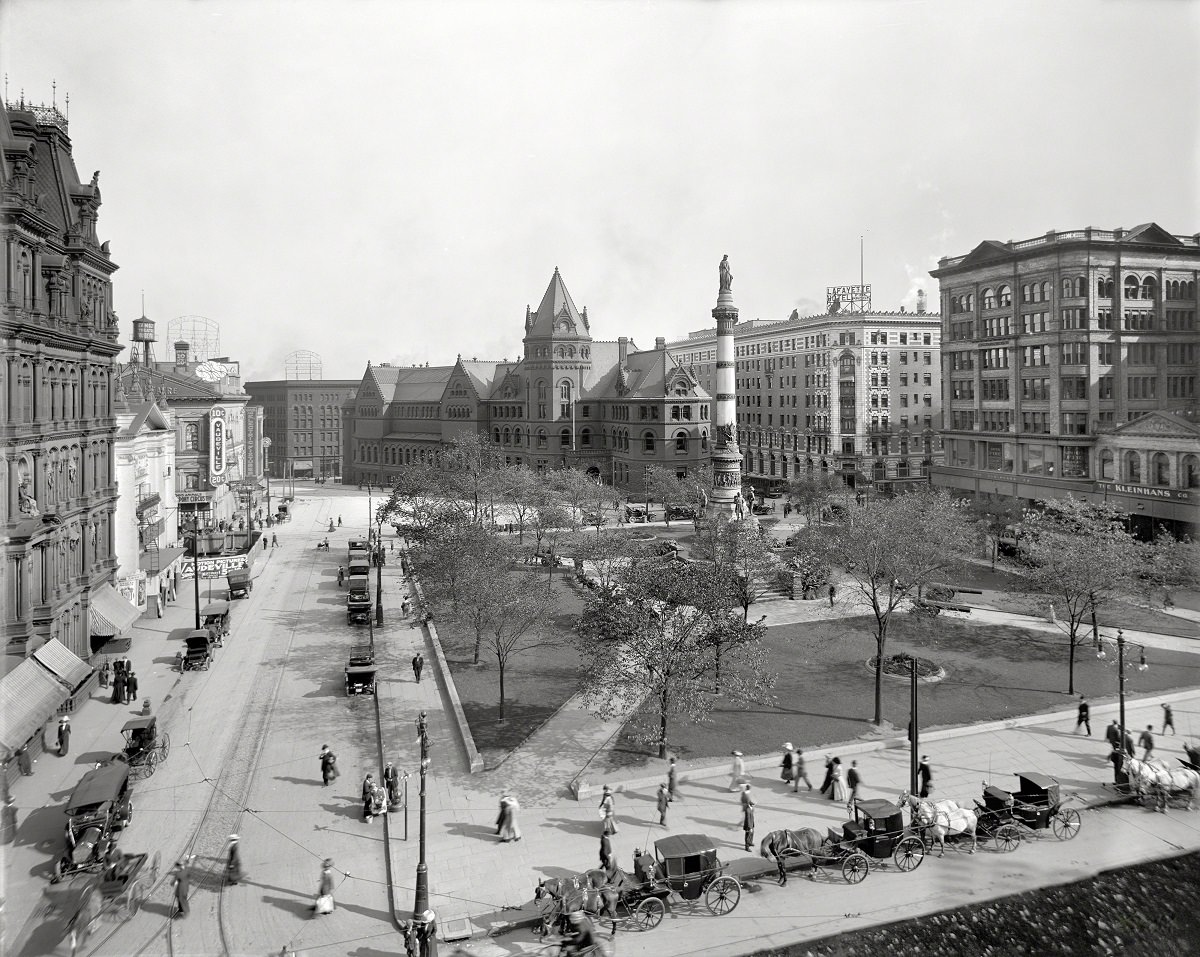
[62,661]
[157,561]
[109,613]
[29,696]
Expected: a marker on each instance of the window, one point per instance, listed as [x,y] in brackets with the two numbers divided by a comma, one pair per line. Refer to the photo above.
[1189,472]
[191,437]
[1004,296]
[1105,354]
[1074,423]
[1104,387]
[1133,467]
[1140,354]
[1033,356]
[681,442]
[648,442]
[541,438]
[1106,466]
[1035,388]
[1074,354]
[1037,423]
[1072,387]
[1160,469]
[988,299]
[1142,387]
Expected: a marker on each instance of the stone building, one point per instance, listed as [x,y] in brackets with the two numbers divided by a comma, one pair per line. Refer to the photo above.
[856,394]
[1070,366]
[303,420]
[569,401]
[58,333]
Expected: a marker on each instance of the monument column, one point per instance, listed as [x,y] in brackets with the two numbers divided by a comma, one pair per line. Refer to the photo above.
[725,500]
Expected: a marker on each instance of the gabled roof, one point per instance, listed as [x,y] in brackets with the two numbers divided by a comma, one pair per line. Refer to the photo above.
[178,386]
[482,375]
[1150,233]
[147,415]
[406,383]
[556,307]
[507,374]
[1179,422]
[987,251]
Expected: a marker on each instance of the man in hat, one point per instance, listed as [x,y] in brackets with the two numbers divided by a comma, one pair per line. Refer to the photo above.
[328,765]
[672,780]
[582,939]
[64,736]
[798,771]
[182,877]
[391,781]
[1112,734]
[608,807]
[747,816]
[418,663]
[664,799]
[925,773]
[368,790]
[786,764]
[737,772]
[131,686]
[233,863]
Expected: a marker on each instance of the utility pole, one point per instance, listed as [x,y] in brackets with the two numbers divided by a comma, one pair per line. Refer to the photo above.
[913,732]
[196,561]
[423,917]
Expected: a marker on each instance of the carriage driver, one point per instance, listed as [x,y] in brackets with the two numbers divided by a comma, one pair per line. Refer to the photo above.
[582,940]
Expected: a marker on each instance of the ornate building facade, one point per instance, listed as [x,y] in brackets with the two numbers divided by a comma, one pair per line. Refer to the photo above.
[1070,366]
[855,394]
[570,401]
[58,333]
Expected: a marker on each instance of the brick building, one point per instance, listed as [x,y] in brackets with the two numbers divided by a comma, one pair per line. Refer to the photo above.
[1070,365]
[303,420]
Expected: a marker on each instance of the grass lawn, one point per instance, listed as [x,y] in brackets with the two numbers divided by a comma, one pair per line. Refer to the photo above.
[536,683]
[825,691]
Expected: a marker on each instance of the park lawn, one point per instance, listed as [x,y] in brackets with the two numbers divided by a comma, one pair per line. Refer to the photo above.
[825,691]
[536,683]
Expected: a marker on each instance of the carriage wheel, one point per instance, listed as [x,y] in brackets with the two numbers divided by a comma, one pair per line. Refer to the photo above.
[856,867]
[128,815]
[722,895]
[165,747]
[909,853]
[649,914]
[1008,837]
[155,864]
[131,900]
[151,761]
[1065,823]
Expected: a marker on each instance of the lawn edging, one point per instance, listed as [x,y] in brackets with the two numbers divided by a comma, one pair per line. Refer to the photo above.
[771,761]
[474,758]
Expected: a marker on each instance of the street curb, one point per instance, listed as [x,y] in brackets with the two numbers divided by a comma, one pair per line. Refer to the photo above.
[474,758]
[771,762]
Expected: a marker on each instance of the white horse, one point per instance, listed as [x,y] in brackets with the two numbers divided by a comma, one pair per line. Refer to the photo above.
[941,818]
[1162,782]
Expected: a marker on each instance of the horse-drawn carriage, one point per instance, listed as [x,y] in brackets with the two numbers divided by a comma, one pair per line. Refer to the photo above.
[98,807]
[144,747]
[1036,806]
[1155,784]
[877,833]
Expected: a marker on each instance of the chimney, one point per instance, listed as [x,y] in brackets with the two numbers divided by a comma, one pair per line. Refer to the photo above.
[622,349]
[181,355]
[660,343]
[920,302]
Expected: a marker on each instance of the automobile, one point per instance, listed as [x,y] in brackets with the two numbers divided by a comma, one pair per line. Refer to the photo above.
[680,512]
[239,582]
[635,513]
[593,518]
[776,491]
[761,508]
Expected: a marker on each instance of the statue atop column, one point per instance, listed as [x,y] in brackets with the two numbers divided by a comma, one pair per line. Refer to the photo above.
[726,276]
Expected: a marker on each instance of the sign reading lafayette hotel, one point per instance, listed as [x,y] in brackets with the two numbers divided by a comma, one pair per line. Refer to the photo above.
[217,434]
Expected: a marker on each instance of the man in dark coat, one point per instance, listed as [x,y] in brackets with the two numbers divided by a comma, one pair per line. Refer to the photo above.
[828,782]
[1112,734]
[672,780]
[182,885]
[368,789]
[418,663]
[64,736]
[1084,719]
[233,864]
[328,766]
[747,816]
[925,773]
[391,781]
[131,687]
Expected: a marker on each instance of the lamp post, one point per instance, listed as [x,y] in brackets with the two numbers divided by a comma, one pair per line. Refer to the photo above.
[913,732]
[421,902]
[1141,666]
[196,561]
[266,444]
[379,574]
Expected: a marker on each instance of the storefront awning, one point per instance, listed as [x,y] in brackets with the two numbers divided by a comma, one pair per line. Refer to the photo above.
[158,561]
[109,613]
[59,659]
[29,696]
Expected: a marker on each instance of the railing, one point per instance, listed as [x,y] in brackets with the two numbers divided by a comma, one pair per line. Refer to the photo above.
[148,503]
[43,115]
[1070,235]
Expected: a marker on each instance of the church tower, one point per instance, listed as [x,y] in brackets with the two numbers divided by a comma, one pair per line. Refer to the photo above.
[558,360]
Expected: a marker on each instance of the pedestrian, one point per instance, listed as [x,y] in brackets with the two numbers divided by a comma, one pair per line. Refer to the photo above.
[798,771]
[418,663]
[1117,757]
[1168,719]
[605,850]
[925,773]
[672,780]
[24,761]
[664,799]
[608,811]
[341,576]
[786,764]
[274,540]
[853,780]
[1084,718]
[1146,740]
[131,687]
[391,781]
[1130,749]
[368,790]
[405,606]
[64,736]
[126,666]
[737,773]
[506,824]
[1112,734]
[118,695]
[832,593]
[324,901]
[837,782]
[328,765]
[828,782]
[182,878]
[233,862]
[339,521]
[747,816]
[105,674]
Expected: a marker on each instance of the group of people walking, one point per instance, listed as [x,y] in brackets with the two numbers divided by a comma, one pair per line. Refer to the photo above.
[124,680]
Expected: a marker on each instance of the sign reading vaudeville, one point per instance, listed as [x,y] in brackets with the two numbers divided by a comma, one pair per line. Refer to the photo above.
[217,439]
[848,298]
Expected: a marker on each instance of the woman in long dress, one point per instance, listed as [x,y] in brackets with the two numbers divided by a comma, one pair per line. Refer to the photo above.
[509,829]
[233,864]
[838,780]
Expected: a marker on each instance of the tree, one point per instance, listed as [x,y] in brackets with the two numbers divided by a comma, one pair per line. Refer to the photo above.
[514,624]
[522,490]
[812,494]
[457,558]
[552,524]
[665,486]
[471,467]
[891,548]
[654,638]
[810,557]
[744,563]
[1168,564]
[577,491]
[1079,558]
[609,555]
[995,513]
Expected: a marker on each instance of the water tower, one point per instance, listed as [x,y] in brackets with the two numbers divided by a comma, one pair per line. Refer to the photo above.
[143,342]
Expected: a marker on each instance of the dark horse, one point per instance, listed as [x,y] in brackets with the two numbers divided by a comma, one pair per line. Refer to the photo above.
[780,845]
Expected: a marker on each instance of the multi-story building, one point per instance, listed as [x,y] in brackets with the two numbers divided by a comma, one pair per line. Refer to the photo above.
[148,548]
[216,486]
[1070,366]
[570,401]
[303,420]
[856,394]
[58,333]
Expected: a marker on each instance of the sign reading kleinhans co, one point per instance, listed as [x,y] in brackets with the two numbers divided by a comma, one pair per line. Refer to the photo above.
[1147,491]
[217,434]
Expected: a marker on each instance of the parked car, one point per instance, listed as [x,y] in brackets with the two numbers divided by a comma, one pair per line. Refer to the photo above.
[593,518]
[682,512]
[635,513]
[761,508]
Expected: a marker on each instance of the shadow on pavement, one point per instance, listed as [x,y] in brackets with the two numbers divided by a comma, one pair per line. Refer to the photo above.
[481,831]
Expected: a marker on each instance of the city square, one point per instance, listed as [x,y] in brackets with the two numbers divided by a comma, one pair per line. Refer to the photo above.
[348,613]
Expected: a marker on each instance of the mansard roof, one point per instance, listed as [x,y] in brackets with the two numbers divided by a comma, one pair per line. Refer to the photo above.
[407,383]
[556,308]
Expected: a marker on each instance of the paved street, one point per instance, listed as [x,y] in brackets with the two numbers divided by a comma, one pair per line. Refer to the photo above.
[275,695]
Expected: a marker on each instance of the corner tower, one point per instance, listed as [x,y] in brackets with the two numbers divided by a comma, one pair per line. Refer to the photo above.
[558,354]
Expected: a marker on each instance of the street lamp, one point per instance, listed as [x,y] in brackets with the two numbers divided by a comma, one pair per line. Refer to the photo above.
[266,444]
[913,731]
[196,561]
[1141,666]
[421,902]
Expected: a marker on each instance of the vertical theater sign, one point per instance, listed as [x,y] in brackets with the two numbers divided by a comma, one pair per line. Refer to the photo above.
[218,440]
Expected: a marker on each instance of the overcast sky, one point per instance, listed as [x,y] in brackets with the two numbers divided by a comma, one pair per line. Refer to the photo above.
[396,181]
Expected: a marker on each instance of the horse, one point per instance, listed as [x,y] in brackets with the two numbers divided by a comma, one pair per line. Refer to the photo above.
[779,845]
[941,818]
[1162,782]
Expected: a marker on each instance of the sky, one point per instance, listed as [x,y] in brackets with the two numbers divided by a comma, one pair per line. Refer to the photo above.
[396,181]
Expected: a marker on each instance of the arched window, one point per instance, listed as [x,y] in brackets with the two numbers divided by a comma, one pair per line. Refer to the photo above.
[1104,287]
[564,390]
[1066,287]
[969,301]
[1148,287]
[517,435]
[647,441]
[1133,468]
[496,436]
[681,442]
[1160,469]
[1132,286]
[1004,296]
[989,298]
[507,437]
[191,437]
[1045,292]
[585,438]
[541,438]
[564,438]
[541,391]
[1106,466]
[1189,471]
[704,441]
